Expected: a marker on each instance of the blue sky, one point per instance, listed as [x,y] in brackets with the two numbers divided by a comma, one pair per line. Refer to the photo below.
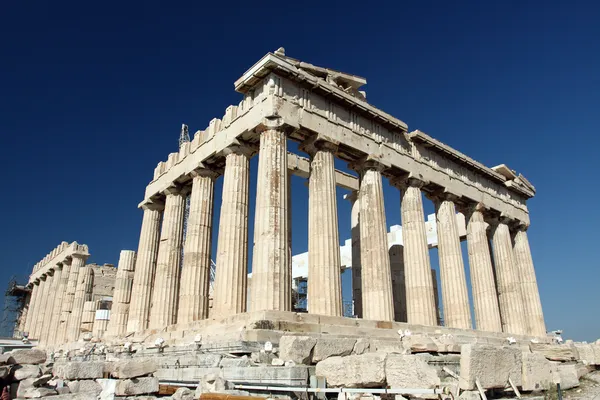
[92,96]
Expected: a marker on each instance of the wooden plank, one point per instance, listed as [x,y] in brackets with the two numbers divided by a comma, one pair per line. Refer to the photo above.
[481,391]
[167,390]
[517,393]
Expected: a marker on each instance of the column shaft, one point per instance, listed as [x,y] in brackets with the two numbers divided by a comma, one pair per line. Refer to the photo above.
[356,267]
[195,274]
[483,286]
[58,302]
[52,295]
[83,293]
[324,263]
[145,267]
[31,311]
[77,264]
[271,271]
[168,262]
[231,280]
[507,281]
[376,279]
[532,304]
[22,320]
[457,312]
[417,271]
[117,325]
[41,313]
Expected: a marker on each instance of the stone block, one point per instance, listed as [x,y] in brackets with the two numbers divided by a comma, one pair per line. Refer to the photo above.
[6,359]
[330,347]
[79,370]
[262,357]
[407,371]
[296,348]
[183,393]
[108,387]
[568,376]
[586,354]
[5,371]
[284,376]
[73,396]
[364,370]
[133,368]
[420,344]
[87,386]
[538,372]
[184,374]
[469,395]
[387,346]
[26,371]
[554,352]
[235,362]
[42,380]
[136,386]
[23,386]
[212,383]
[492,365]
[36,393]
[28,356]
[361,346]
[278,362]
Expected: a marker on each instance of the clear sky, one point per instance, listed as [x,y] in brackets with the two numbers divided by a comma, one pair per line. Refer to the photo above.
[92,96]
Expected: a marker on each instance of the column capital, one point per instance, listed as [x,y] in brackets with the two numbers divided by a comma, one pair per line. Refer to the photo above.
[370,162]
[80,255]
[240,148]
[203,171]
[176,188]
[352,196]
[409,180]
[66,261]
[438,196]
[319,142]
[153,204]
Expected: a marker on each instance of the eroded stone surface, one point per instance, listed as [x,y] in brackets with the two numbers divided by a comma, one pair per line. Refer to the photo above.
[538,373]
[492,365]
[326,348]
[126,369]
[296,348]
[79,370]
[365,370]
[406,371]
[27,356]
[554,352]
[135,386]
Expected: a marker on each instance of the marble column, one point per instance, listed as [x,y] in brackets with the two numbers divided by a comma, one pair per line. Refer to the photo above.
[376,279]
[29,322]
[457,311]
[168,261]
[420,300]
[271,270]
[324,262]
[54,283]
[145,267]
[532,305]
[88,316]
[483,285]
[45,282]
[83,293]
[231,279]
[398,281]
[195,274]
[58,301]
[355,240]
[507,280]
[100,326]
[22,319]
[36,294]
[77,263]
[117,325]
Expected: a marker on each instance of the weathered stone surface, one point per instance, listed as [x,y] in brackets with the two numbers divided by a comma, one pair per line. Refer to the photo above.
[23,386]
[208,360]
[268,375]
[568,376]
[108,388]
[183,394]
[79,370]
[387,346]
[326,348]
[262,357]
[586,354]
[35,393]
[74,396]
[407,371]
[296,348]
[554,352]
[538,372]
[135,386]
[420,344]
[212,383]
[126,369]
[492,365]
[21,372]
[42,380]
[469,395]
[5,371]
[84,386]
[365,370]
[27,356]
[6,359]
[361,346]
[277,362]
[236,362]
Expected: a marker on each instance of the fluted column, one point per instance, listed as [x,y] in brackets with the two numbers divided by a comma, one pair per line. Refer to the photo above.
[532,305]
[61,288]
[88,316]
[195,274]
[168,261]
[36,295]
[54,283]
[77,263]
[376,279]
[41,313]
[457,311]
[231,279]
[483,286]
[324,263]
[83,293]
[271,270]
[145,267]
[22,320]
[355,241]
[117,325]
[417,270]
[507,280]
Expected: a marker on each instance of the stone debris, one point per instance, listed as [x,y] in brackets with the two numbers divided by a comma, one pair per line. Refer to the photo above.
[26,371]
[79,370]
[365,370]
[492,365]
[538,373]
[554,352]
[126,369]
[297,348]
[405,371]
[326,348]
[136,386]
[26,356]
[87,386]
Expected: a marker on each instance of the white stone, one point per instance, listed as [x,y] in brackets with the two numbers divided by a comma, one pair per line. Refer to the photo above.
[538,373]
[326,348]
[569,377]
[108,388]
[27,356]
[492,365]
[365,370]
[554,352]
[407,371]
[88,386]
[134,368]
[79,370]
[136,386]
[361,346]
[26,371]
[183,393]
[296,348]
[277,362]
[34,393]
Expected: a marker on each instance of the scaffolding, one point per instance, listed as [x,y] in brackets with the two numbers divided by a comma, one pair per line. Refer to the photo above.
[15,298]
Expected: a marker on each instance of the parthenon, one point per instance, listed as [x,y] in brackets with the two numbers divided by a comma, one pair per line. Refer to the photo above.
[166,283]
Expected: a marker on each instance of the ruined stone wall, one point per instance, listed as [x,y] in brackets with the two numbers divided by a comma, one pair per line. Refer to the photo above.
[104,281]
